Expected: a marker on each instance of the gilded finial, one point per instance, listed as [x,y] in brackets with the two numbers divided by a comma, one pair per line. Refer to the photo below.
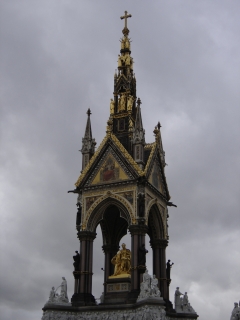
[125,30]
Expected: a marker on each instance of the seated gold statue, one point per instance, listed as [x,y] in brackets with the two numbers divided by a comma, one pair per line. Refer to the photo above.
[122,261]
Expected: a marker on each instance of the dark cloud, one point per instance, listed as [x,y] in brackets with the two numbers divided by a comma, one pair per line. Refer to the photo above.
[57,60]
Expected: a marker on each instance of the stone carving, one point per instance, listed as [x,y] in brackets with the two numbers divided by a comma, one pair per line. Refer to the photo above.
[127,59]
[168,269]
[76,262]
[122,102]
[119,61]
[129,103]
[79,214]
[154,286]
[149,287]
[112,105]
[182,304]
[142,251]
[54,297]
[236,312]
[122,262]
[63,294]
[142,313]
[177,300]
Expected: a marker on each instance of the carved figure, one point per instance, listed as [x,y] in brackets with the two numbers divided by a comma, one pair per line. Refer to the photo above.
[123,43]
[121,102]
[178,300]
[129,103]
[112,104]
[168,269]
[185,299]
[119,61]
[63,294]
[127,59]
[52,295]
[127,43]
[116,260]
[79,214]
[122,261]
[141,204]
[142,251]
[102,297]
[154,285]
[236,312]
[76,262]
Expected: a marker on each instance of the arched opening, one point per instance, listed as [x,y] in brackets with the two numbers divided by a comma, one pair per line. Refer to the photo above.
[111,228]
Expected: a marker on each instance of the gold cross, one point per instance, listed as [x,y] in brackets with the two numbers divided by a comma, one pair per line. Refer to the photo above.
[125,17]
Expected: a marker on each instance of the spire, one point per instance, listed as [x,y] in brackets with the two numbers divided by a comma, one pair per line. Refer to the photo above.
[88,143]
[88,130]
[138,132]
[138,137]
[123,102]
[158,139]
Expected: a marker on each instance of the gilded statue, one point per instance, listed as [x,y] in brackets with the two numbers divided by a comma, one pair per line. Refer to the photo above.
[112,106]
[123,43]
[127,43]
[121,102]
[119,61]
[127,59]
[130,103]
[122,262]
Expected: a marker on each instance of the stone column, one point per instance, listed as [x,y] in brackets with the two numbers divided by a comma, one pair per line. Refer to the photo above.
[84,296]
[159,265]
[138,233]
[109,251]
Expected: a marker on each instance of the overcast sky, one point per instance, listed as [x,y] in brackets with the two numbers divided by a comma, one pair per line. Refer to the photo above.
[58,59]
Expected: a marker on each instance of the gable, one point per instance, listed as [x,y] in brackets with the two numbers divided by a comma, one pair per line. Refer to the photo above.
[109,170]
[155,177]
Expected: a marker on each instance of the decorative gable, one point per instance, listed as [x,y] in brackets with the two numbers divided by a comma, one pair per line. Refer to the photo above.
[155,177]
[110,170]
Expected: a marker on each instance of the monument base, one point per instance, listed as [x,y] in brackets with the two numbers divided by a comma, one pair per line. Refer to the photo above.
[117,290]
[152,309]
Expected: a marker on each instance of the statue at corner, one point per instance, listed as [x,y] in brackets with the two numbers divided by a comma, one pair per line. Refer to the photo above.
[122,261]
[168,269]
[236,312]
[142,251]
[52,295]
[155,289]
[149,288]
[76,262]
[112,106]
[178,300]
[63,294]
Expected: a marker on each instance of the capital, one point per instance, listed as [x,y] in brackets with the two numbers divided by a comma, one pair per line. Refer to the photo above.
[138,229]
[86,235]
[159,243]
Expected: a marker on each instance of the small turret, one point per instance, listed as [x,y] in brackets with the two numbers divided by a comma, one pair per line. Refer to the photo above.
[88,143]
[158,139]
[138,137]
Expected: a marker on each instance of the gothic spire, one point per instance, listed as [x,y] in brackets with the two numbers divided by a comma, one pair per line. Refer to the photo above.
[138,132]
[88,143]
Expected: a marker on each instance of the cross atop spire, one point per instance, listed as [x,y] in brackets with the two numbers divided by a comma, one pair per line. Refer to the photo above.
[125,29]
